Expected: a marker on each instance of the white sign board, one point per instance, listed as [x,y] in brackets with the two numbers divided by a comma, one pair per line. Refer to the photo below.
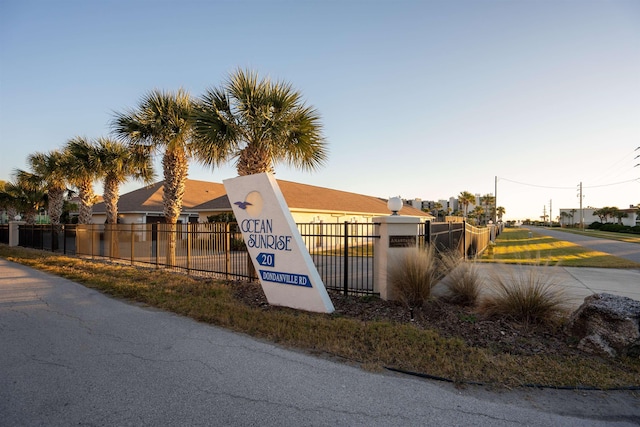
[287,273]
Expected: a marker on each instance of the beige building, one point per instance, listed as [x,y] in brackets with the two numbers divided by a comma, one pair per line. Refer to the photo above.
[307,203]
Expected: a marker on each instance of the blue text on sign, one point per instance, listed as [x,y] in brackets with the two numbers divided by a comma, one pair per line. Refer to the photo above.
[286,278]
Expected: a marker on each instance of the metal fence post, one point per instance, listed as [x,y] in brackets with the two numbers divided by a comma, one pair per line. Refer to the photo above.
[157,246]
[227,248]
[132,257]
[427,233]
[188,225]
[346,258]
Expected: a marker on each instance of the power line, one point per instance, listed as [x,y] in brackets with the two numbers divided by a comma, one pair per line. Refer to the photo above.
[614,183]
[569,188]
[536,185]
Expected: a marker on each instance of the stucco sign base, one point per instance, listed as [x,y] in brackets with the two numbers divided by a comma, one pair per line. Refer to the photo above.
[287,273]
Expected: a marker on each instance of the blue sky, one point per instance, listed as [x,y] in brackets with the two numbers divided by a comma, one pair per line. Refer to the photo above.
[422,99]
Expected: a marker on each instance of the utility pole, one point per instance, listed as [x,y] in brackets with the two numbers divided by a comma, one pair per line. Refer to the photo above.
[550,216]
[581,211]
[495,201]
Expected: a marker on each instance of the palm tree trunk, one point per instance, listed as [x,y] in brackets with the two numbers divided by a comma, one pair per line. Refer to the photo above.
[175,166]
[30,215]
[111,197]
[56,203]
[87,199]
[254,159]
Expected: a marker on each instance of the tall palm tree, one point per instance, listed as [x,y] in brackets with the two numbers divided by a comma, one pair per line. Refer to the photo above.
[50,167]
[162,122]
[116,163]
[259,123]
[465,199]
[82,173]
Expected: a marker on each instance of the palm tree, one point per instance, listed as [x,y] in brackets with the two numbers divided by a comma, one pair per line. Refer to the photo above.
[600,213]
[477,213]
[259,123]
[82,172]
[50,167]
[437,209]
[500,211]
[487,201]
[465,199]
[619,215]
[26,195]
[116,163]
[163,122]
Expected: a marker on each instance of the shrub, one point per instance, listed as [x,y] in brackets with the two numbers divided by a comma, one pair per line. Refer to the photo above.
[529,296]
[595,225]
[616,228]
[463,282]
[412,276]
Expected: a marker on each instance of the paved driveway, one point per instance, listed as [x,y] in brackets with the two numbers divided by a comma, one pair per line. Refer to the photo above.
[72,356]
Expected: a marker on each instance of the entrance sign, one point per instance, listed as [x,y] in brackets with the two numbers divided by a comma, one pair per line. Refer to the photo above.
[287,273]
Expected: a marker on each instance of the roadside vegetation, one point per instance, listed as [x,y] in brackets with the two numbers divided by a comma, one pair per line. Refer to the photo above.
[521,246]
[601,234]
[375,341]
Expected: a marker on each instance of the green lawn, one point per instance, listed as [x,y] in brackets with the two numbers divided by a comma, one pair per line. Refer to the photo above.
[622,237]
[521,246]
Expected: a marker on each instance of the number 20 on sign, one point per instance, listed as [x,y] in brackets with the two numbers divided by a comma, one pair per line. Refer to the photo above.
[266,259]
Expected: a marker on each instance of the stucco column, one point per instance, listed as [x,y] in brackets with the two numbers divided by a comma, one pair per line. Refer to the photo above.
[14,234]
[398,234]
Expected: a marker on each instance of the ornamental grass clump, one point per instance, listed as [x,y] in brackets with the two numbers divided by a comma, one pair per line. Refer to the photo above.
[530,296]
[413,276]
[463,281]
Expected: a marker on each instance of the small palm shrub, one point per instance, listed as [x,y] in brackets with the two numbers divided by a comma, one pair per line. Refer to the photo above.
[412,277]
[463,281]
[529,296]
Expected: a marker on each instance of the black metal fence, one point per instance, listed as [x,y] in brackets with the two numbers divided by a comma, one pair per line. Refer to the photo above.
[4,233]
[342,252]
[54,238]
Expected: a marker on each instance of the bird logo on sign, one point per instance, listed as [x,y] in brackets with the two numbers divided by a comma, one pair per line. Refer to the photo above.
[252,204]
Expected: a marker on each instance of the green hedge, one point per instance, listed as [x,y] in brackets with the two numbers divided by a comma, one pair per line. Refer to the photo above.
[616,228]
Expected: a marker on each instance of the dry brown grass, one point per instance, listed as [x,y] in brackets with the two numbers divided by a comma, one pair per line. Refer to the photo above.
[530,296]
[374,344]
[463,282]
[413,276]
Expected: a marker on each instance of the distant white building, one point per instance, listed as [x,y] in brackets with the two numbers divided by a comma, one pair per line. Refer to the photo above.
[571,217]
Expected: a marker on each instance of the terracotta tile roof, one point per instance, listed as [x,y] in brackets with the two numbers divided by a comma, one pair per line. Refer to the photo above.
[208,196]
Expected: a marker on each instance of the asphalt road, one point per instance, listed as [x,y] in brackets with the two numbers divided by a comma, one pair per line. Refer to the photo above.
[630,251]
[72,356]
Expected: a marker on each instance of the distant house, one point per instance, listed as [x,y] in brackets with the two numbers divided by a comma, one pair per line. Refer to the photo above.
[145,205]
[202,199]
[571,217]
